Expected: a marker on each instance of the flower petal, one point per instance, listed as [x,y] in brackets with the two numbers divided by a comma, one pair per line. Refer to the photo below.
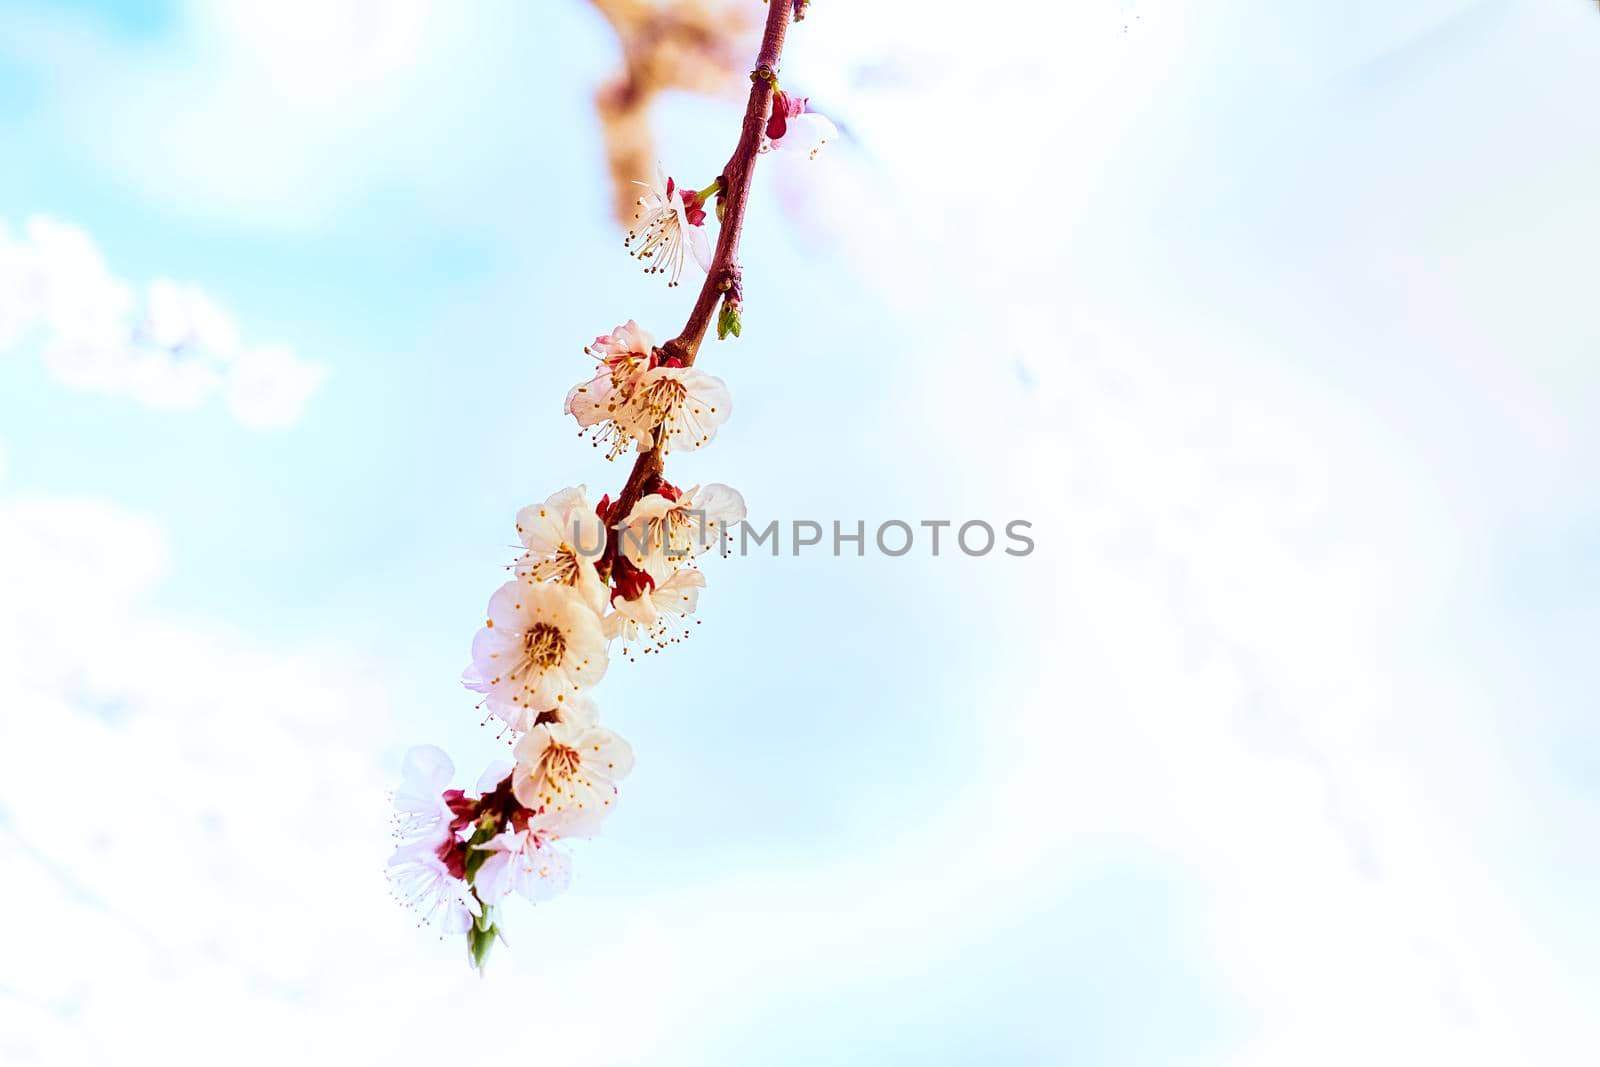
[493,775]
[548,872]
[426,771]
[808,133]
[606,752]
[699,246]
[509,608]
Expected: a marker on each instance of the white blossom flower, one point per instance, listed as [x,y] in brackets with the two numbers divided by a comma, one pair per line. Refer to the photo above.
[563,537]
[541,646]
[522,861]
[567,772]
[647,617]
[426,883]
[600,405]
[427,870]
[792,127]
[669,226]
[677,407]
[665,529]
[422,809]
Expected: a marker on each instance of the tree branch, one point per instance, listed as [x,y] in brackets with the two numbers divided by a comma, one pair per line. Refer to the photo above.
[724,272]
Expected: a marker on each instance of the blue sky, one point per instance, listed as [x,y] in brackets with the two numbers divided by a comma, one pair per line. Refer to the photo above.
[1280,748]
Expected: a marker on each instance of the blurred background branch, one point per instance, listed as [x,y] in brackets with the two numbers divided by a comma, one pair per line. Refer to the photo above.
[690,45]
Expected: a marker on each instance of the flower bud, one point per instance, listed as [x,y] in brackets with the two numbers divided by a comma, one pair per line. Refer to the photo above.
[481,938]
[729,320]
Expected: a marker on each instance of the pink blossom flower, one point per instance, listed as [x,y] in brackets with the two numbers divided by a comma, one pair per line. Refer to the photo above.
[600,405]
[525,862]
[430,882]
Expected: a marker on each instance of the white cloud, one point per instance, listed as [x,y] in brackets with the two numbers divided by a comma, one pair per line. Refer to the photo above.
[193,813]
[269,386]
[178,352]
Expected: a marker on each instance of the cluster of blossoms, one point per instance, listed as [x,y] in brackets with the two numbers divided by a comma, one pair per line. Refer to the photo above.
[590,574]
[640,397]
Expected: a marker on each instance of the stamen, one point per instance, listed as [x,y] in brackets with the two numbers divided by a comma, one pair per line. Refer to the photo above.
[544,645]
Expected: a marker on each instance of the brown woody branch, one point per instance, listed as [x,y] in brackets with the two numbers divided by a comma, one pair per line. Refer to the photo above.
[724,273]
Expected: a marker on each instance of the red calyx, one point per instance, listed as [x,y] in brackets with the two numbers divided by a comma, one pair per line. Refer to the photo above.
[603,508]
[784,108]
[778,122]
[694,209]
[633,583]
[453,854]
[463,807]
[500,801]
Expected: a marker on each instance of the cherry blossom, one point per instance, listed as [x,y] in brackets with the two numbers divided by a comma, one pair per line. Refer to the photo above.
[647,616]
[677,407]
[525,862]
[563,537]
[567,772]
[422,804]
[541,646]
[667,527]
[668,227]
[793,128]
[639,396]
[600,405]
[434,886]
